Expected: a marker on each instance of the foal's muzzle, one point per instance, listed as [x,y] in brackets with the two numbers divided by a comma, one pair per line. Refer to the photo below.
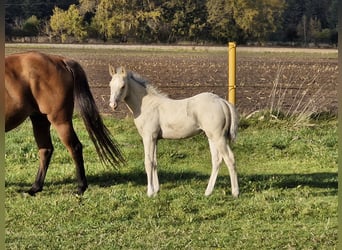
[113,105]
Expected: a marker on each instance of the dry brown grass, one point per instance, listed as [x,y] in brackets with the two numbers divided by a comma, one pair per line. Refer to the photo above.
[305,101]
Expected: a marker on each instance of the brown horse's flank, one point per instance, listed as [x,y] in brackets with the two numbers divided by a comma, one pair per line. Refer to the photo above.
[44,88]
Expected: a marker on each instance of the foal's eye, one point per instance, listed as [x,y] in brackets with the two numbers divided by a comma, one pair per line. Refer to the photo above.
[122,87]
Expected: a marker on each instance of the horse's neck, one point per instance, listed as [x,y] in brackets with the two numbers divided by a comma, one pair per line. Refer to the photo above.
[136,93]
[141,97]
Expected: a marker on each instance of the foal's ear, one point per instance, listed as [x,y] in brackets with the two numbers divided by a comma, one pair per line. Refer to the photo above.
[112,70]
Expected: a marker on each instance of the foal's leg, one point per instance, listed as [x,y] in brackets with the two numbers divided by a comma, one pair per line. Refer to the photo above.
[69,138]
[228,157]
[41,132]
[155,179]
[216,160]
[150,165]
[230,162]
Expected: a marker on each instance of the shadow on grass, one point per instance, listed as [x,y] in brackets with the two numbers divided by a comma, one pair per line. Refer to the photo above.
[247,183]
[315,180]
[325,180]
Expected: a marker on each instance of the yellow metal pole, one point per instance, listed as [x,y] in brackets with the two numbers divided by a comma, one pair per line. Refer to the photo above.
[231,72]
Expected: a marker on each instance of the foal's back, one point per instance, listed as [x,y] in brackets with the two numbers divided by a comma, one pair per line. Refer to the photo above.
[187,117]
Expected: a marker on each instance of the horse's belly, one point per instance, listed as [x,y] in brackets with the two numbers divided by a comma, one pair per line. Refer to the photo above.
[178,131]
[15,112]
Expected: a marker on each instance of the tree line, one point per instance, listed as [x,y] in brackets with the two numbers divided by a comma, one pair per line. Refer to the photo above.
[152,21]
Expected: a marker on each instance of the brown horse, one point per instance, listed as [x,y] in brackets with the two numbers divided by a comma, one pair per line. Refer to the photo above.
[44,88]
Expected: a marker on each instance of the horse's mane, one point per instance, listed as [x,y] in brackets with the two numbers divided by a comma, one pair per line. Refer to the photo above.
[145,83]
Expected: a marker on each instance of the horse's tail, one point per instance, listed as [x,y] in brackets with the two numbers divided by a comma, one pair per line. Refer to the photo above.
[105,145]
[234,121]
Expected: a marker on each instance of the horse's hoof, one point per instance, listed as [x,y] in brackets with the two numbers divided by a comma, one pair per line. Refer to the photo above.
[81,190]
[32,193]
[34,190]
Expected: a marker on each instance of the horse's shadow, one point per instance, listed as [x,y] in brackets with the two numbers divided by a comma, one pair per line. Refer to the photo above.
[247,183]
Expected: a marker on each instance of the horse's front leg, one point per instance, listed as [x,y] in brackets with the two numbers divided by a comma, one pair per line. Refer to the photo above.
[150,149]
[155,179]
[41,131]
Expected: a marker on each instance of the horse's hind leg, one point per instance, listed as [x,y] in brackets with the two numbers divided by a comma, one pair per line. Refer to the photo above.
[69,138]
[228,157]
[216,160]
[41,131]
[230,162]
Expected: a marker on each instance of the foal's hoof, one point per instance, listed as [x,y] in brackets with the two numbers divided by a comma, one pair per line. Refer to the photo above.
[152,194]
[235,195]
[208,192]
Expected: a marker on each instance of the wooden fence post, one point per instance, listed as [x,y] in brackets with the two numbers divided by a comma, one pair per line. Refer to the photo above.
[231,72]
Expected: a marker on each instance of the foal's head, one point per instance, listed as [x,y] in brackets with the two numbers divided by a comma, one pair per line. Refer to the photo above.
[118,86]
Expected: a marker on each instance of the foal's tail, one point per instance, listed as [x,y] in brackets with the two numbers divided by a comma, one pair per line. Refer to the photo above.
[234,120]
[105,145]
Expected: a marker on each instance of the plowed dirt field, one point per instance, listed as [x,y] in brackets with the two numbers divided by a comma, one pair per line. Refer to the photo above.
[286,80]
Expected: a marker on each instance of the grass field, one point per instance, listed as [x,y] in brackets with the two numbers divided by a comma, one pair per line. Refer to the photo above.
[287,169]
[287,177]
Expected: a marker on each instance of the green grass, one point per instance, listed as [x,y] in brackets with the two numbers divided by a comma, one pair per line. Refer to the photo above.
[287,177]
